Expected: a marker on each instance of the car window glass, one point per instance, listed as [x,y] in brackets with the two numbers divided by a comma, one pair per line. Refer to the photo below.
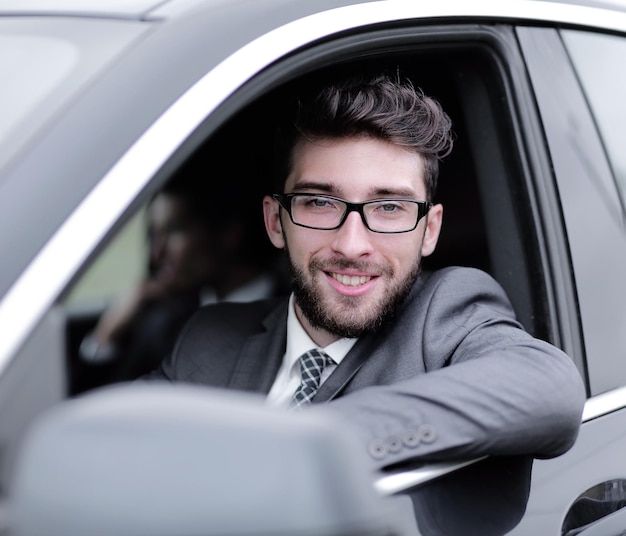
[119,267]
[598,59]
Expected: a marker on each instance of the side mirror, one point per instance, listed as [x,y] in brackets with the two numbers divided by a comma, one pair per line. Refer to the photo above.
[167,460]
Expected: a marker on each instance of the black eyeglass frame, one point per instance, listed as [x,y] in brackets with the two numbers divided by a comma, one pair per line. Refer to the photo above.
[284,200]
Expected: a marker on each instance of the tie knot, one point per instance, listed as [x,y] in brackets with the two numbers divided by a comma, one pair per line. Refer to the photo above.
[313,361]
[312,364]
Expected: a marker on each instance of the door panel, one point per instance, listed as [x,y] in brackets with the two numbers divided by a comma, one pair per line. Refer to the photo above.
[597,457]
[591,206]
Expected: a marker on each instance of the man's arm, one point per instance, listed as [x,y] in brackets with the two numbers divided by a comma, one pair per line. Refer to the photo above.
[490,389]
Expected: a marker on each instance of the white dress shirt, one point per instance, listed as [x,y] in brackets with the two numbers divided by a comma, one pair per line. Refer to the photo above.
[288,378]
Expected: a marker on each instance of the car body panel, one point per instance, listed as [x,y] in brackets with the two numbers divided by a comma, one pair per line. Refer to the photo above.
[66,199]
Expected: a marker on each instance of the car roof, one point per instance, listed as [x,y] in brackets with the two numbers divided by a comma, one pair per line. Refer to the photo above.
[133,9]
[115,8]
[139,9]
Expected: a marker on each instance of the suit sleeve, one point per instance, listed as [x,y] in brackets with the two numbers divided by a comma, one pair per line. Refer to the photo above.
[490,388]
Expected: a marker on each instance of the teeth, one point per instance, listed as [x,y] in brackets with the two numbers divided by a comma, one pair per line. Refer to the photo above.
[351,280]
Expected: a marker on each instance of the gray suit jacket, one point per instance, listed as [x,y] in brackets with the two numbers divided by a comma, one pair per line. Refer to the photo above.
[453,376]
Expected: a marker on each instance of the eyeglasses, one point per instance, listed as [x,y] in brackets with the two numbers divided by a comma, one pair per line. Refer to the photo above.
[325,212]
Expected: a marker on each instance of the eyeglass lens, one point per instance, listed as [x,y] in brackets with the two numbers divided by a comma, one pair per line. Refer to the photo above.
[388,215]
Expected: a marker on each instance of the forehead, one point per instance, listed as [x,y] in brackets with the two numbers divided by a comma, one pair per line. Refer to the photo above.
[357,168]
[166,207]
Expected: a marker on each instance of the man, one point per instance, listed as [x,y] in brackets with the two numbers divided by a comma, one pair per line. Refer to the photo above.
[198,253]
[430,367]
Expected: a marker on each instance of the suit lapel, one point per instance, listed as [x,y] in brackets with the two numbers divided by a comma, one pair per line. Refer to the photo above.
[262,354]
[344,372]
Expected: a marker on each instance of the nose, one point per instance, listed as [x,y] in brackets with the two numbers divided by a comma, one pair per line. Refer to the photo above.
[353,239]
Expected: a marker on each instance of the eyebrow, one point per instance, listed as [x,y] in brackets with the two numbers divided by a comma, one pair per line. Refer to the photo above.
[396,192]
[327,187]
[331,188]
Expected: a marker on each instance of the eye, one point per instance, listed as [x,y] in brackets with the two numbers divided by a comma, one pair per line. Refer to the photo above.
[389,208]
[319,203]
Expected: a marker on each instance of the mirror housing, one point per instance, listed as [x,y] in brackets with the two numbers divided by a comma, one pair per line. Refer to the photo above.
[167,460]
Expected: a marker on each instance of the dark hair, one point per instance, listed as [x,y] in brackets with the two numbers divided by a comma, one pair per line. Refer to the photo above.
[382,107]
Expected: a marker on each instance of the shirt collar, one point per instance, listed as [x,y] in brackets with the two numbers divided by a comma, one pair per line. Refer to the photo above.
[299,342]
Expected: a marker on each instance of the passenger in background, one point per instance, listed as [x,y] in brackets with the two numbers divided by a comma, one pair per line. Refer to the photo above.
[202,249]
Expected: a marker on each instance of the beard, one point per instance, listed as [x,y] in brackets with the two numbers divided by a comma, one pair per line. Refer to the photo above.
[349,316]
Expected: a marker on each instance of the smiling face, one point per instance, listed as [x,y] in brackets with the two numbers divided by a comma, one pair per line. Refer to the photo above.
[349,280]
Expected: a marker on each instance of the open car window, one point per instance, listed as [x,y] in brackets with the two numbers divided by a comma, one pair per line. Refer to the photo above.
[489,221]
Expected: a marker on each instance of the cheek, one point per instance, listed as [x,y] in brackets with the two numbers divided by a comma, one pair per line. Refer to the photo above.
[402,251]
[303,243]
[181,248]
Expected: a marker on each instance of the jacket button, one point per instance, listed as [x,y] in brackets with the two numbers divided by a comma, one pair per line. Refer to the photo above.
[377,449]
[427,433]
[394,444]
[412,440]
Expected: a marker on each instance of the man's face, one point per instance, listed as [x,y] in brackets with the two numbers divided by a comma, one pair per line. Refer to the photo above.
[180,249]
[349,280]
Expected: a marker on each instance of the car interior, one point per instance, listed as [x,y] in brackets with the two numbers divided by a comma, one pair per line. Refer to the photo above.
[481,184]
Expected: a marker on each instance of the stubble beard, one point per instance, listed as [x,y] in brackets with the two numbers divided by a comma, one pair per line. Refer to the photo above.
[349,316]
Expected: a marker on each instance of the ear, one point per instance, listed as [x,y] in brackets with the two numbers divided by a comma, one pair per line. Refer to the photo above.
[273,225]
[433,228]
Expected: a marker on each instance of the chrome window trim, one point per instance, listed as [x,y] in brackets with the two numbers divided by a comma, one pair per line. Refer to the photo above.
[49,272]
[404,480]
[604,403]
